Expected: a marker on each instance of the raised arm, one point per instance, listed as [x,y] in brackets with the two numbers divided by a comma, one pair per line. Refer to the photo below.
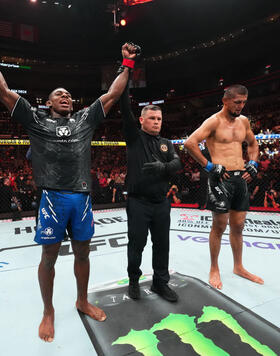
[129,121]
[129,52]
[7,97]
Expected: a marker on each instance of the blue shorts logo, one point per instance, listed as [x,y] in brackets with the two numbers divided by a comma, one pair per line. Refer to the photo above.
[44,212]
[48,231]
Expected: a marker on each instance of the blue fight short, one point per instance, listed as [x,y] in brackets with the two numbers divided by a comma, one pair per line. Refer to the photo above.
[59,208]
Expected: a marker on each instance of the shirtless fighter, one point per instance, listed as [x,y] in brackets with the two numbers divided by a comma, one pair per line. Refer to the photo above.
[228,196]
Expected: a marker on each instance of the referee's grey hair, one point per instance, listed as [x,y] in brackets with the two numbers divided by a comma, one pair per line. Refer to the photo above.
[150,107]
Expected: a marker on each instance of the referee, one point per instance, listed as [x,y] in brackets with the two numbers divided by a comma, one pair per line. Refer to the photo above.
[151,161]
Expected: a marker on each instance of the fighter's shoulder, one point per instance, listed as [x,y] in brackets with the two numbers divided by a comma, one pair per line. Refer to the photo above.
[22,106]
[244,120]
[212,121]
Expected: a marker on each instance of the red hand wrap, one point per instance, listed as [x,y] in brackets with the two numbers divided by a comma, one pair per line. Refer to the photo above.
[128,63]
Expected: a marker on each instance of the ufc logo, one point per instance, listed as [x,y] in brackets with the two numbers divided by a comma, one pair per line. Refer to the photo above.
[218,190]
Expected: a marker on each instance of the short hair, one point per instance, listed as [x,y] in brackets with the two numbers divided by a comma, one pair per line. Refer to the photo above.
[58,88]
[150,107]
[236,89]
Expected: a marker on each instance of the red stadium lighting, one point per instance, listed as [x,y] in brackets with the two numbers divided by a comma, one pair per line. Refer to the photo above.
[123,22]
[135,2]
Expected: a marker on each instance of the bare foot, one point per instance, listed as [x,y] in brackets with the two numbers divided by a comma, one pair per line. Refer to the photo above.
[92,311]
[242,272]
[215,279]
[46,328]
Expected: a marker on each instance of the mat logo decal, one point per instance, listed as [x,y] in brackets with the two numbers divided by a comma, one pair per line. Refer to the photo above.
[257,244]
[3,263]
[125,281]
[252,226]
[97,245]
[189,217]
[105,221]
[185,327]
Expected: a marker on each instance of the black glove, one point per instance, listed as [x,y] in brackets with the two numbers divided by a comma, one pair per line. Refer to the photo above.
[217,171]
[251,169]
[129,62]
[138,49]
[156,167]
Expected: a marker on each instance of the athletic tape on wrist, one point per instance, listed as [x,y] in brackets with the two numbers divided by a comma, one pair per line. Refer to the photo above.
[130,63]
[209,166]
[254,163]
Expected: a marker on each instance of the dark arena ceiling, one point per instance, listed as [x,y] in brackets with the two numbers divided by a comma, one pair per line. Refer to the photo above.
[86,31]
[197,37]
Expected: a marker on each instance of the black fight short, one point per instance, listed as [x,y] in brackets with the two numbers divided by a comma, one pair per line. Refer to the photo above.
[230,194]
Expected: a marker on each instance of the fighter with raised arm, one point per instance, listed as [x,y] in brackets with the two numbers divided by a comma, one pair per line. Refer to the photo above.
[228,195]
[61,153]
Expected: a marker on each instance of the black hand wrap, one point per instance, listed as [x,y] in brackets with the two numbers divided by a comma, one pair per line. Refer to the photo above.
[217,171]
[125,63]
[251,169]
[156,167]
[137,49]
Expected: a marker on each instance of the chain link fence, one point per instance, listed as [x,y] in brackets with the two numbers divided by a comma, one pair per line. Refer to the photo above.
[18,193]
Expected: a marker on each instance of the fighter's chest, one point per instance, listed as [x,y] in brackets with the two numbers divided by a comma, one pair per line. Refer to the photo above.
[227,133]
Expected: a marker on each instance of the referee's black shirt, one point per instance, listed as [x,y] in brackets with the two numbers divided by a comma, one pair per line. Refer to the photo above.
[144,148]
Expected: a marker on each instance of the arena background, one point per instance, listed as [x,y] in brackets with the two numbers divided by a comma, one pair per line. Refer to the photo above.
[192,50]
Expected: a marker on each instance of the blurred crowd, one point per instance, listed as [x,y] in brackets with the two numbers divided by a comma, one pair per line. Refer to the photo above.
[19,193]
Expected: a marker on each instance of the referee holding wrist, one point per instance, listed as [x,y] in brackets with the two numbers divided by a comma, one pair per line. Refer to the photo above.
[151,161]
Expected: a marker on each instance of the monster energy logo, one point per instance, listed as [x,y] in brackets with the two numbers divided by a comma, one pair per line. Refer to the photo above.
[145,341]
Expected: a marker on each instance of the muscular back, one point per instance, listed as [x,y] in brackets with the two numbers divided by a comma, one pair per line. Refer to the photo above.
[225,141]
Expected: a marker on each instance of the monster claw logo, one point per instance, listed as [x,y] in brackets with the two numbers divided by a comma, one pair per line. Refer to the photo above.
[186,328]
[126,280]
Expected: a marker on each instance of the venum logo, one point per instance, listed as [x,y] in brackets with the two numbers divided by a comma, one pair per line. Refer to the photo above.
[63,131]
[186,328]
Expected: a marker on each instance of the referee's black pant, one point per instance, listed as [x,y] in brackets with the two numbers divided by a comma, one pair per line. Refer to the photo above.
[143,216]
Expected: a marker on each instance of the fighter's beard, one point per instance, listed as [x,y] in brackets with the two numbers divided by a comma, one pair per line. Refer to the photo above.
[233,114]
